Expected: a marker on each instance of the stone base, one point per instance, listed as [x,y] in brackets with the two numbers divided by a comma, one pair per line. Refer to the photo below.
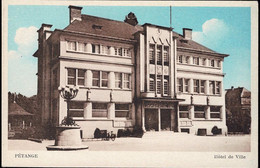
[53,147]
[67,138]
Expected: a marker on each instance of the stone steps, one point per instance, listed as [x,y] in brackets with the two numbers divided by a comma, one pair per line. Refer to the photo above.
[163,134]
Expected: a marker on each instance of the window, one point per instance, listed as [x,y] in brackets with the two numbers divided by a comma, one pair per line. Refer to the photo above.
[196,86]
[76,109]
[180,58]
[218,63]
[118,80]
[126,52]
[215,111]
[184,111]
[152,83]
[199,111]
[81,77]
[99,110]
[122,110]
[212,63]
[186,85]
[104,79]
[159,54]
[152,53]
[187,58]
[71,76]
[202,86]
[166,85]
[204,61]
[218,87]
[95,48]
[126,83]
[159,84]
[71,45]
[166,55]
[120,52]
[196,60]
[82,47]
[180,84]
[95,78]
[212,87]
[104,49]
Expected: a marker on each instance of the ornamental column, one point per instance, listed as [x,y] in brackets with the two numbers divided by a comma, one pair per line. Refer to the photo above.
[87,110]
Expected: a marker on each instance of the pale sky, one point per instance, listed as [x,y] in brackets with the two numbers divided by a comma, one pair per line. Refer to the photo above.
[223,29]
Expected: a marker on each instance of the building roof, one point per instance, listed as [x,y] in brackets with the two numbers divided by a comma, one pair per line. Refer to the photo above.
[15,110]
[243,92]
[107,27]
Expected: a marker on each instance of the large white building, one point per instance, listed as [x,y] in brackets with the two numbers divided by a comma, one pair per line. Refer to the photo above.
[129,75]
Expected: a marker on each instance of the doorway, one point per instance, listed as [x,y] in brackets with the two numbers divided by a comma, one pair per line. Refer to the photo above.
[151,119]
[165,120]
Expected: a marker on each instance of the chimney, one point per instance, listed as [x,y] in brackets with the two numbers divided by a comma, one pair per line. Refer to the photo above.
[187,33]
[131,19]
[14,98]
[232,87]
[75,13]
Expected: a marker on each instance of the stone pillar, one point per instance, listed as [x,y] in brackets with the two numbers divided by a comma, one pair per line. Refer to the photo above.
[87,110]
[143,117]
[111,111]
[207,112]
[191,112]
[111,80]
[190,60]
[88,78]
[159,119]
[207,87]
[191,86]
[89,48]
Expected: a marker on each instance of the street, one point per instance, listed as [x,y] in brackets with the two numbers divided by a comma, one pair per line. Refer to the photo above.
[181,143]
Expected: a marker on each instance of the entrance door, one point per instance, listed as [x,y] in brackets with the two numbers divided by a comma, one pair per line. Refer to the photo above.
[151,119]
[165,119]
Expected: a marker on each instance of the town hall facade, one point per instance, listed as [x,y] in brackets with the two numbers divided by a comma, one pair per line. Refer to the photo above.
[129,75]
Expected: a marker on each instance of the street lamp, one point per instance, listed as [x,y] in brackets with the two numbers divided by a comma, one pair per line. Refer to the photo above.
[68,93]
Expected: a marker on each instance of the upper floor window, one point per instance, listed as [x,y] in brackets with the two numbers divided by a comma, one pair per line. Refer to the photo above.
[118,80]
[212,87]
[202,86]
[159,54]
[71,76]
[186,85]
[96,78]
[76,76]
[76,109]
[218,63]
[127,79]
[204,61]
[104,79]
[104,49]
[71,45]
[180,84]
[196,86]
[159,84]
[166,85]
[180,58]
[218,86]
[196,60]
[212,63]
[82,47]
[166,55]
[95,48]
[215,111]
[187,58]
[152,83]
[152,53]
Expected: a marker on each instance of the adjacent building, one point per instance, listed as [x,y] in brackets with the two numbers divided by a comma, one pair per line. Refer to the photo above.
[129,75]
[238,105]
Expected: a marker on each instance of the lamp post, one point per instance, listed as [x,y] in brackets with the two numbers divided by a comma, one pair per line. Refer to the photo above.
[68,93]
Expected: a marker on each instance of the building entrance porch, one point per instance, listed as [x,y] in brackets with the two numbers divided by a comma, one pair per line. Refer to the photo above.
[159,116]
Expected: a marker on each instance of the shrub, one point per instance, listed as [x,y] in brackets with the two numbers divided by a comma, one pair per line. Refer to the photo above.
[215,130]
[97,133]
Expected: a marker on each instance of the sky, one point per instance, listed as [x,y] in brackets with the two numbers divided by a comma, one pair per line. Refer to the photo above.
[223,29]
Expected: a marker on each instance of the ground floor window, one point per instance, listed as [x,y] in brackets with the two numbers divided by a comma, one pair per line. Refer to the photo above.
[76,109]
[199,111]
[99,110]
[122,110]
[184,111]
[185,130]
[215,111]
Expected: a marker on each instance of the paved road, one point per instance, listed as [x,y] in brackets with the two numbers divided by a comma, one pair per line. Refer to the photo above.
[182,143]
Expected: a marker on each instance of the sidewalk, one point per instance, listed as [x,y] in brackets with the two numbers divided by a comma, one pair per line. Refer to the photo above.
[182,143]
